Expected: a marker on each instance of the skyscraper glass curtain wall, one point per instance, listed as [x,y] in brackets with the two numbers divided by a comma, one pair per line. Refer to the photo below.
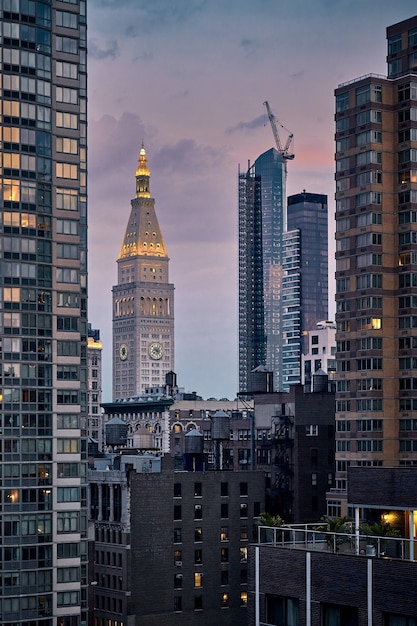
[43,312]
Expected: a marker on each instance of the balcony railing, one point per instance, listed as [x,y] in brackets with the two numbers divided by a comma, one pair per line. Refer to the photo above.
[312,538]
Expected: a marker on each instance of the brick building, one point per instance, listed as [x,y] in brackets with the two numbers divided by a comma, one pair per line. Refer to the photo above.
[309,578]
[170,546]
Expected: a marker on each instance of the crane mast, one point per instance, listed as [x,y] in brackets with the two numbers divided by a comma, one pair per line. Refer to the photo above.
[286,151]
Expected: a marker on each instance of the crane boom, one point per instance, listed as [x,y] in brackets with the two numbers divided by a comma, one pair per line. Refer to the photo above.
[285,151]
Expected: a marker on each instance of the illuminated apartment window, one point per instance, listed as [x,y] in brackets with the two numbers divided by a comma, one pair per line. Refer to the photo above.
[224,533]
[224,600]
[243,598]
[198,579]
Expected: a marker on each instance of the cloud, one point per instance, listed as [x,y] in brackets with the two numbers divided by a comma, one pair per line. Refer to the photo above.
[257,122]
[185,156]
[109,50]
[249,45]
[145,17]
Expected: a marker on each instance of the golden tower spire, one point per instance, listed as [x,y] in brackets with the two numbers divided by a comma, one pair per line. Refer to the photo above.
[143,176]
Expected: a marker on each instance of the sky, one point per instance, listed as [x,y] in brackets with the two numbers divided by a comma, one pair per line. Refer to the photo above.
[189,78]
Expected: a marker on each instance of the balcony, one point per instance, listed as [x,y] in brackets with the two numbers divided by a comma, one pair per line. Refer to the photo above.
[311,538]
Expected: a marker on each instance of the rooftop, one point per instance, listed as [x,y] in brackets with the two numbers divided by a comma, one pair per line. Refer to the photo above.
[312,538]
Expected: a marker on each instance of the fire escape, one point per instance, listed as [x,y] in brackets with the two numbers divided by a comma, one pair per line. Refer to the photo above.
[282,491]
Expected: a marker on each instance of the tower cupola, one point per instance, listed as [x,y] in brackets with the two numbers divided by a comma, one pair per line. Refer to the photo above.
[143,176]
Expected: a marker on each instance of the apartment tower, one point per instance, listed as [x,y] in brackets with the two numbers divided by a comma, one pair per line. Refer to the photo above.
[44,312]
[283,282]
[376,265]
[143,299]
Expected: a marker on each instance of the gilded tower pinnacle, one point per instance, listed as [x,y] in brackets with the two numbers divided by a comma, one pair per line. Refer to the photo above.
[143,176]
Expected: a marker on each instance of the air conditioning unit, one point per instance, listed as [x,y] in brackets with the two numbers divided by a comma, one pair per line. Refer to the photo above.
[178,563]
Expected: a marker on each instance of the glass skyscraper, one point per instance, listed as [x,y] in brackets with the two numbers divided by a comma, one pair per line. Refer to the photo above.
[44,312]
[283,271]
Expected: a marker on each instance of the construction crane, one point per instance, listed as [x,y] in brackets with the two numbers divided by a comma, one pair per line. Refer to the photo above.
[286,151]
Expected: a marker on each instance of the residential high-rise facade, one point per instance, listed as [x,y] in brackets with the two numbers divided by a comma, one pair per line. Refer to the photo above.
[143,299]
[44,312]
[376,279]
[94,360]
[283,271]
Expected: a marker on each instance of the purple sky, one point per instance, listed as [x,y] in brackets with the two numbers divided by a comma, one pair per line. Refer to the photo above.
[188,77]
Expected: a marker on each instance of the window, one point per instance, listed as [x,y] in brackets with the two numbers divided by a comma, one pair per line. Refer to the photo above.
[342,102]
[369,445]
[198,603]
[281,610]
[67,199]
[224,600]
[68,522]
[177,535]
[177,581]
[67,145]
[68,598]
[67,170]
[224,510]
[224,489]
[224,555]
[243,554]
[198,489]
[243,489]
[177,603]
[334,615]
[66,44]
[369,404]
[198,579]
[312,430]
[67,227]
[177,490]
[66,120]
[224,533]
[68,494]
[198,511]
[243,598]
[67,70]
[66,19]
[177,512]
[243,509]
[68,574]
[198,557]
[224,577]
[68,446]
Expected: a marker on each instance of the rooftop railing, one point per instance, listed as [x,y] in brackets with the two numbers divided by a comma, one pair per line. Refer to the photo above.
[312,537]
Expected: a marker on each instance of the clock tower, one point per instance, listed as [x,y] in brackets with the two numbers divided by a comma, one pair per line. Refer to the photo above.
[143,299]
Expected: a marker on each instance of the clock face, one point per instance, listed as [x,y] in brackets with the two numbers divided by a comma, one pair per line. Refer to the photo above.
[156,351]
[123,351]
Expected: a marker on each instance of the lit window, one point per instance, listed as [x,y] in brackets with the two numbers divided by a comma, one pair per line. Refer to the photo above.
[224,600]
[198,579]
